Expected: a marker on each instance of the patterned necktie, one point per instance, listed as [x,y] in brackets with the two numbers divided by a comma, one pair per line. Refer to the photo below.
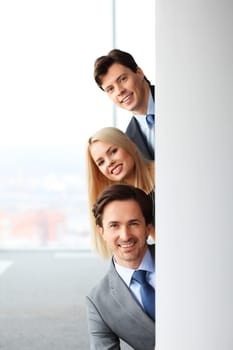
[147,292]
[150,118]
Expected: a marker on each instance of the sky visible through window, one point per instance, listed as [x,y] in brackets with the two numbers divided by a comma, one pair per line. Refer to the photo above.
[50,105]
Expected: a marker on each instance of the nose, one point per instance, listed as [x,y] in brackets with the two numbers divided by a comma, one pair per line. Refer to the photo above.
[119,89]
[110,162]
[124,233]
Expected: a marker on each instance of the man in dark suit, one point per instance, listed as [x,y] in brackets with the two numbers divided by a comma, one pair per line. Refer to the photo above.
[119,308]
[119,76]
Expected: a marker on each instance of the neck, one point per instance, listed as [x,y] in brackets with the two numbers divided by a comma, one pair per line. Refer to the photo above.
[142,108]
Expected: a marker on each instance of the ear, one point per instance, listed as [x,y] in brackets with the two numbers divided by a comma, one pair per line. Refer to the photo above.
[140,73]
[150,231]
[100,230]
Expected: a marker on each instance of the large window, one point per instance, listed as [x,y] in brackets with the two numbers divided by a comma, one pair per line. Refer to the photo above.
[50,105]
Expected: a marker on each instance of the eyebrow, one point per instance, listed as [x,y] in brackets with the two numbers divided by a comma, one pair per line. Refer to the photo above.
[128,222]
[134,220]
[112,222]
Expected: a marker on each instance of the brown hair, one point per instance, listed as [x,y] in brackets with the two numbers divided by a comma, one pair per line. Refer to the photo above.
[144,176]
[103,63]
[123,192]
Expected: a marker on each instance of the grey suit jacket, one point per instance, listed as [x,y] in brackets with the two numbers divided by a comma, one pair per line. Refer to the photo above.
[114,314]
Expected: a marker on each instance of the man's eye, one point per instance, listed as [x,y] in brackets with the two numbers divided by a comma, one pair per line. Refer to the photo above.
[134,223]
[113,225]
[109,90]
[124,78]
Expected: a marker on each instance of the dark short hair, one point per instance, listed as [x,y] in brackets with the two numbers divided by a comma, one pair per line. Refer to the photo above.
[103,63]
[123,192]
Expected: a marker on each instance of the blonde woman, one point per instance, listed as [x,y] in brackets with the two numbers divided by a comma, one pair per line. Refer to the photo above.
[113,158]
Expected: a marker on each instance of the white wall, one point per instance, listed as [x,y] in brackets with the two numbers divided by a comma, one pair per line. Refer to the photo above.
[194,55]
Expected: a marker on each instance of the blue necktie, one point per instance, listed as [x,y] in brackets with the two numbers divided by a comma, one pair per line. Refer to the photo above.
[150,118]
[147,292]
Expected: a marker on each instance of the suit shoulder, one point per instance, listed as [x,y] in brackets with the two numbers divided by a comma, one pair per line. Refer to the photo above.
[151,248]
[97,291]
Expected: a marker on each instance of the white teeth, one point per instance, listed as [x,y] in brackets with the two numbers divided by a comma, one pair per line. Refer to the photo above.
[116,169]
[125,99]
[127,245]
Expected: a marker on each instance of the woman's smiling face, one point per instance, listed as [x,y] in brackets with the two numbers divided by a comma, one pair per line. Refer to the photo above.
[112,161]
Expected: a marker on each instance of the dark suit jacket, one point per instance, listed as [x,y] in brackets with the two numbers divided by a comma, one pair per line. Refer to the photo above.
[133,131]
[114,314]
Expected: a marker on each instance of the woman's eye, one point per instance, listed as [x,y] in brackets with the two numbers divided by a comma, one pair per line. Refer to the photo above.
[114,150]
[100,163]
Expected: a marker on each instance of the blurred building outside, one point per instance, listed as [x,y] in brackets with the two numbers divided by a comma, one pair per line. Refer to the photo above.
[49,108]
[44,208]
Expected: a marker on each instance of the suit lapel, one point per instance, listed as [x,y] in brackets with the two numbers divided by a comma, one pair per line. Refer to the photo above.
[124,298]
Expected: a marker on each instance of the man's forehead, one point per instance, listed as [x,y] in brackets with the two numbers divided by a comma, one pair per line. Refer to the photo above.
[121,208]
[115,71]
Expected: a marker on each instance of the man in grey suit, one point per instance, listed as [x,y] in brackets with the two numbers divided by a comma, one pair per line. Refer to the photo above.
[124,82]
[117,309]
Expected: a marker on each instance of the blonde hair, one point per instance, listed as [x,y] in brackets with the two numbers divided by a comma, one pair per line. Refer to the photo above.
[96,181]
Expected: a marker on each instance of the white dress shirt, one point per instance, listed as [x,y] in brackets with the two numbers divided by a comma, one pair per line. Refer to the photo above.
[126,274]
[146,129]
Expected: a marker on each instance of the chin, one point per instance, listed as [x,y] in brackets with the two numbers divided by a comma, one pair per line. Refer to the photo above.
[118,178]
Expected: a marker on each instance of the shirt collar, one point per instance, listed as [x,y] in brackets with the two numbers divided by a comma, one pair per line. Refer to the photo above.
[151,105]
[126,273]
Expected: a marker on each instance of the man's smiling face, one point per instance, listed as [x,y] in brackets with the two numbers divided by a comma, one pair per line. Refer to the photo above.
[125,232]
[128,90]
